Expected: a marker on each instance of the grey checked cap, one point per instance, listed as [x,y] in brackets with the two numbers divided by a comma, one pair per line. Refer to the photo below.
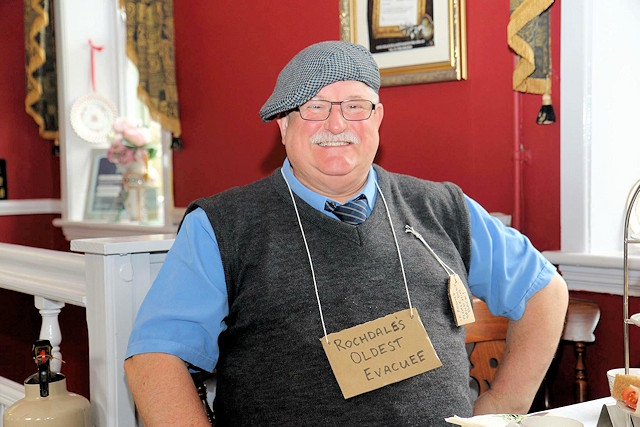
[316,67]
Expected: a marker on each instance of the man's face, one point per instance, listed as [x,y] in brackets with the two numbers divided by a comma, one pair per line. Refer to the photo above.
[332,157]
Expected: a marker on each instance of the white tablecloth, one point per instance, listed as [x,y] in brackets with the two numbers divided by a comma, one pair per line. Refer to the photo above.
[587,412]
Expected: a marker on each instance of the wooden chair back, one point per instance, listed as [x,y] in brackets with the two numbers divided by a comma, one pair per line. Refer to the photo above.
[488,336]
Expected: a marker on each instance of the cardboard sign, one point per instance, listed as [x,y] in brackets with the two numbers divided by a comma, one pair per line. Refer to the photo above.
[381,352]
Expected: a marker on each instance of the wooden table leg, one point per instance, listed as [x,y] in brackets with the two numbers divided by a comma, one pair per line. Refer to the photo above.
[581,373]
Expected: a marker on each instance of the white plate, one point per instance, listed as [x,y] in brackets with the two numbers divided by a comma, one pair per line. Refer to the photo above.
[92,117]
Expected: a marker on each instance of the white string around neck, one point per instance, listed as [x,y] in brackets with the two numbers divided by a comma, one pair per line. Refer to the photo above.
[313,274]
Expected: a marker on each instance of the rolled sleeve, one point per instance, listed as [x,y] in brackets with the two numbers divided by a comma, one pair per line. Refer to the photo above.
[183,313]
[506,270]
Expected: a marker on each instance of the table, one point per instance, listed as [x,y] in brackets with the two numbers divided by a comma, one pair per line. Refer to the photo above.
[588,412]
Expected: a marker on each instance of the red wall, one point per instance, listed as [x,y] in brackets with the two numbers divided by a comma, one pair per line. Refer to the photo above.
[228,55]
[32,172]
[227,62]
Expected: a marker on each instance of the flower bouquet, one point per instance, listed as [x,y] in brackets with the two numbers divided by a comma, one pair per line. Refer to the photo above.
[132,146]
[132,142]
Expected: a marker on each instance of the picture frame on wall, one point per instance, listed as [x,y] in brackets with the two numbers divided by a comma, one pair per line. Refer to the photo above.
[104,196]
[412,41]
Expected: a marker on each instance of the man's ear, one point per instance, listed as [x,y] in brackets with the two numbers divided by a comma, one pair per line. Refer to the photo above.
[283,123]
[379,113]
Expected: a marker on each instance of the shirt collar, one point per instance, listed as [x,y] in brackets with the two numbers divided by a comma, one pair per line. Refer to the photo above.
[316,200]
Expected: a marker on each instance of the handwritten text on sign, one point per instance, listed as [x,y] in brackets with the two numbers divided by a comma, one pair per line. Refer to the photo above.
[381,352]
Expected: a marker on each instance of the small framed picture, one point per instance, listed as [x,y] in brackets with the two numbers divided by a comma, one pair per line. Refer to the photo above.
[104,198]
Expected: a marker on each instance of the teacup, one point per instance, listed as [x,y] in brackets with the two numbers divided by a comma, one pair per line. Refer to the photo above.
[611,374]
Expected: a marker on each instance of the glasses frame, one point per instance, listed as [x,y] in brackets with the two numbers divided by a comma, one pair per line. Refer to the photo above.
[373,107]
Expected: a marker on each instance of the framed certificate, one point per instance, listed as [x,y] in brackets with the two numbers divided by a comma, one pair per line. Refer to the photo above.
[104,198]
[412,41]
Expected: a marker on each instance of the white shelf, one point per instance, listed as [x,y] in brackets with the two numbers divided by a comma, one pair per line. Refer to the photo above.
[30,207]
[87,230]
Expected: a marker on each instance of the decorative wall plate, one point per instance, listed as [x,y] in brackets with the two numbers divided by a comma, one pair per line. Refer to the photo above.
[92,117]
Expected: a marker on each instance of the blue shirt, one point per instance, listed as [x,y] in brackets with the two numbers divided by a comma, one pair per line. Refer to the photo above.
[505,271]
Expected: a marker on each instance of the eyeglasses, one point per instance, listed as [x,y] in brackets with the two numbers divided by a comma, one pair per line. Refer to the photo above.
[352,110]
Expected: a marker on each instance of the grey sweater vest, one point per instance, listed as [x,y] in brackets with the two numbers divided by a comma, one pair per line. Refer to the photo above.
[272,368]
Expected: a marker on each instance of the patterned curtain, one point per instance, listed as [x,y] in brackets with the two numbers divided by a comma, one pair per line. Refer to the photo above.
[529,36]
[150,47]
[41,101]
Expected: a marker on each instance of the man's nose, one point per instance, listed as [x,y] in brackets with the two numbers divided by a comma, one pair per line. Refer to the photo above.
[335,122]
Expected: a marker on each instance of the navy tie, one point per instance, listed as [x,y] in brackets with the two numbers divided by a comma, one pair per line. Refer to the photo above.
[354,212]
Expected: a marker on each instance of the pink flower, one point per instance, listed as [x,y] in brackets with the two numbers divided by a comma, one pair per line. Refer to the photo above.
[123,123]
[115,149]
[137,136]
[119,153]
[132,142]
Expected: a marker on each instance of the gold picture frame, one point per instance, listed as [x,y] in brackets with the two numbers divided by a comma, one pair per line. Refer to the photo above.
[412,41]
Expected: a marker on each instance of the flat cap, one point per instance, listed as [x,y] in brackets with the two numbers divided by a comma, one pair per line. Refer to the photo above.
[316,67]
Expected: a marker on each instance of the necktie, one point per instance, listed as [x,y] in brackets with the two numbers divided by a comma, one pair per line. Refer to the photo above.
[353,212]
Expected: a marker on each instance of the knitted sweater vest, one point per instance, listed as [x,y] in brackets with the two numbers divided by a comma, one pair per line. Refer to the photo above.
[272,369]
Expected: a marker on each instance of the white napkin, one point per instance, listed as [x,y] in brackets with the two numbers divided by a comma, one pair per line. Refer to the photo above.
[490,420]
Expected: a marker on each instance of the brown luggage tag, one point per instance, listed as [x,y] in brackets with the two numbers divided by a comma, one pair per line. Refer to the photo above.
[460,301]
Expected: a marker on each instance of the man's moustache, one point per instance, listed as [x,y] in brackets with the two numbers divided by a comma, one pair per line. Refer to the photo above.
[328,137]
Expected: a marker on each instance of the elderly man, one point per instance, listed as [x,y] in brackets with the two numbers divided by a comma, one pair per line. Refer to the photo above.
[333,257]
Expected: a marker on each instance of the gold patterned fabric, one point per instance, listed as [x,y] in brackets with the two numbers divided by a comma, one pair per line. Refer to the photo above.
[529,33]
[150,46]
[41,101]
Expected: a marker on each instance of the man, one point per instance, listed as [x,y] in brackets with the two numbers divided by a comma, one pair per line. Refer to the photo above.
[261,277]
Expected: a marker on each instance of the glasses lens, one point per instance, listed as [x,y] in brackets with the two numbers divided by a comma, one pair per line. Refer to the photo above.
[359,109]
[315,110]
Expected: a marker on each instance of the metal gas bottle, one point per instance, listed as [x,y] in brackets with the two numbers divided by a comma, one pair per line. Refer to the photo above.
[47,401]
